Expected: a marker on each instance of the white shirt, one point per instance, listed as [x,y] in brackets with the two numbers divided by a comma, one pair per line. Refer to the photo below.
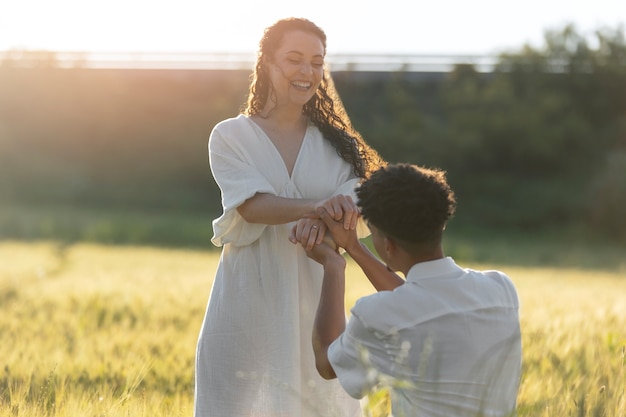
[447,341]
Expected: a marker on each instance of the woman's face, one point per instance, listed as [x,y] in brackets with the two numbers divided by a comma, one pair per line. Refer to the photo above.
[297,68]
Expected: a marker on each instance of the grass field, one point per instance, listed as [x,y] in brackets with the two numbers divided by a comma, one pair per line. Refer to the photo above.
[95,330]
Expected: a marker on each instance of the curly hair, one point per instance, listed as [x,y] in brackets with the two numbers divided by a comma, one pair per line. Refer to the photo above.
[325,109]
[409,203]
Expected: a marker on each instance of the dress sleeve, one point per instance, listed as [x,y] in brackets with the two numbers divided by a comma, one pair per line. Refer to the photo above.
[238,180]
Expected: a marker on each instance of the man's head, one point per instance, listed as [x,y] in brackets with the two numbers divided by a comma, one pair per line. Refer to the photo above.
[408,204]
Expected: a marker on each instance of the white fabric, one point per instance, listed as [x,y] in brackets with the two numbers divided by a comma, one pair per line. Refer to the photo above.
[448,341]
[254,354]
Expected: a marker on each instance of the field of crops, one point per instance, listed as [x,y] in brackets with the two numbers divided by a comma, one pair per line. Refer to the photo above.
[95,330]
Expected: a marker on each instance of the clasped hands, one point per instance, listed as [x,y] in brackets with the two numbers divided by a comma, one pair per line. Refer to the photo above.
[333,224]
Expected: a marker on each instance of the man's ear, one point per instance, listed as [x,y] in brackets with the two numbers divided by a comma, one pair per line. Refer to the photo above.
[391,247]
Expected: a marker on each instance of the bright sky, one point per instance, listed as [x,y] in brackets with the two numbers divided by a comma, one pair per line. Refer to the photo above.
[352,26]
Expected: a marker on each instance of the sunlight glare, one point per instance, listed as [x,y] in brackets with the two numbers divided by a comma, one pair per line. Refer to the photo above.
[352,26]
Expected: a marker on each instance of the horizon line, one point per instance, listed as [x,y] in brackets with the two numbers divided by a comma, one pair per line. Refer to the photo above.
[411,62]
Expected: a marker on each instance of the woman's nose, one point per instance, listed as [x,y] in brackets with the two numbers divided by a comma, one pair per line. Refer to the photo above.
[306,68]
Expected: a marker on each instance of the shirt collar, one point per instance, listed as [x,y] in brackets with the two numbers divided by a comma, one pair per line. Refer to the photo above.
[431,269]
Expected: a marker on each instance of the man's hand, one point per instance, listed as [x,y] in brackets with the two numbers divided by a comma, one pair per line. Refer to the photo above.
[326,255]
[344,238]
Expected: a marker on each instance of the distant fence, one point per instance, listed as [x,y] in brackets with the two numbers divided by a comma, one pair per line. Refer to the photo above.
[225,60]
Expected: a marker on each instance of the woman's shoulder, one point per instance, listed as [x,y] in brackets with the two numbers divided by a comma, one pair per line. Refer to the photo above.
[231,128]
[232,123]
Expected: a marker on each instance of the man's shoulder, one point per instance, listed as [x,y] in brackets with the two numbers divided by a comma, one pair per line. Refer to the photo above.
[368,304]
[416,302]
[385,310]
[500,282]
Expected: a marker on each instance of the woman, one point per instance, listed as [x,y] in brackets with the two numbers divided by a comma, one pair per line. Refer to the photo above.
[292,151]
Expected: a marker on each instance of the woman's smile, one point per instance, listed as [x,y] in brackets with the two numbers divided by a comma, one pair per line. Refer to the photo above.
[301,85]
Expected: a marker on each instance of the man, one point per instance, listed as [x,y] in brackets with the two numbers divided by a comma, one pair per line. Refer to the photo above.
[446,341]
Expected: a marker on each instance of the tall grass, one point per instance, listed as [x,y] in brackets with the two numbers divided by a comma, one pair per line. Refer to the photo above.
[93,330]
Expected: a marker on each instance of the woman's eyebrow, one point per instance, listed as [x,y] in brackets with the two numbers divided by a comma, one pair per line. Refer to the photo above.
[300,53]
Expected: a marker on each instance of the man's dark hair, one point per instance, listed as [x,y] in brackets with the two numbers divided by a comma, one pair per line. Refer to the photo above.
[409,203]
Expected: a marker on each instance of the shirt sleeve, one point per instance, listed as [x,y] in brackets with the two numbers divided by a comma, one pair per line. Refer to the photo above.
[238,180]
[350,358]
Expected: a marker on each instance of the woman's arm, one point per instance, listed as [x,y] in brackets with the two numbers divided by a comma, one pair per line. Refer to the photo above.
[270,209]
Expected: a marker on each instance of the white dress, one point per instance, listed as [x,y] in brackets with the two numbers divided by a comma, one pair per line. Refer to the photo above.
[254,355]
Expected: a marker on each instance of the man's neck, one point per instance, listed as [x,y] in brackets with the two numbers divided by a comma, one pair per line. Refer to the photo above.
[414,259]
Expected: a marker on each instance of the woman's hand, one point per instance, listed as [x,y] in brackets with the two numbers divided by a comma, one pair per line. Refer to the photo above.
[311,230]
[341,208]
[308,232]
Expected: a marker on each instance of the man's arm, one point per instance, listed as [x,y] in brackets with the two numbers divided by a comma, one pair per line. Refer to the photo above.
[377,272]
[330,318]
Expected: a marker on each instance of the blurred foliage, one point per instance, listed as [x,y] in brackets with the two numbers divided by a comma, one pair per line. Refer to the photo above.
[538,143]
[526,144]
[123,138]
[68,225]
